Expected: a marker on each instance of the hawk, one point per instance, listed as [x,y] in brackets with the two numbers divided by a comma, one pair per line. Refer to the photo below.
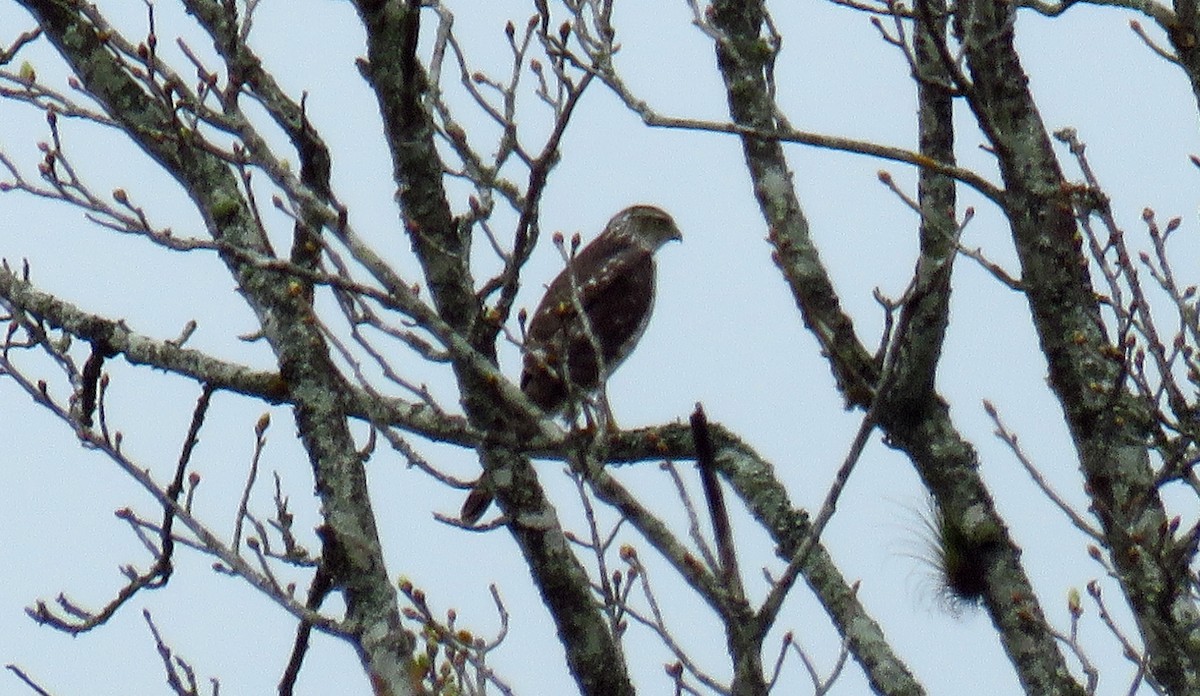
[612,280]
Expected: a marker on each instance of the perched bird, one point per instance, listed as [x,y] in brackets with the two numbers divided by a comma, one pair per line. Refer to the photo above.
[612,280]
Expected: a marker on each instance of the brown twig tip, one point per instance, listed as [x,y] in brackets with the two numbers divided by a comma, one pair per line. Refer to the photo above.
[722,529]
[264,422]
[27,679]
[701,437]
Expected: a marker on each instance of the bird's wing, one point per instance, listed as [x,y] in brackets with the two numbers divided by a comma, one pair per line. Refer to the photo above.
[603,274]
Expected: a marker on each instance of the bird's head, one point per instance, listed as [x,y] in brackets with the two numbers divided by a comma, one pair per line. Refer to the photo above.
[645,225]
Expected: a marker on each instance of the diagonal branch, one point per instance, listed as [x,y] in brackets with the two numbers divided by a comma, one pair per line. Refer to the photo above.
[147,116]
[442,246]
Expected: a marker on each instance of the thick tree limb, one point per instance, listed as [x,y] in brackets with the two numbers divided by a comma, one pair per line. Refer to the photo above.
[443,248]
[1108,424]
[922,429]
[305,365]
